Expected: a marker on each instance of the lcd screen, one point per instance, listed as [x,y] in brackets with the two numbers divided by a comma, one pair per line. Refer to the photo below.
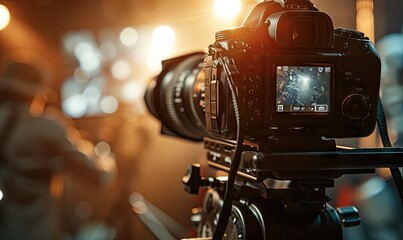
[303,89]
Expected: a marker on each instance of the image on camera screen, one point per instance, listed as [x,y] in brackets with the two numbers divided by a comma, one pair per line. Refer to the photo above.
[304,89]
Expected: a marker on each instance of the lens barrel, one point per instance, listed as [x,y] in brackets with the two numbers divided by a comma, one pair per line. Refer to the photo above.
[175,97]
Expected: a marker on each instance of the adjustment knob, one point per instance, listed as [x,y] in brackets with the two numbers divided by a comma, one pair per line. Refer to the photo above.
[355,107]
[349,216]
[193,181]
[235,33]
[349,33]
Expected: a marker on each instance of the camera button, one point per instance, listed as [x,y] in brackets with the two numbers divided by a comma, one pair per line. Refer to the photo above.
[355,107]
[365,48]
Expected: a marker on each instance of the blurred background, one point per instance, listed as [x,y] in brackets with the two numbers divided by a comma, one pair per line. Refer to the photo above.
[103,53]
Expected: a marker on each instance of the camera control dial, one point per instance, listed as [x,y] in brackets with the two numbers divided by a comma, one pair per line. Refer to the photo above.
[355,107]
[349,33]
[235,33]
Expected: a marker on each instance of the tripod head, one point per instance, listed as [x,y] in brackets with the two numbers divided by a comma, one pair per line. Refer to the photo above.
[299,207]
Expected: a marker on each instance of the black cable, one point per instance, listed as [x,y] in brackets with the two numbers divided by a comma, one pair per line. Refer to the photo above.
[229,191]
[383,131]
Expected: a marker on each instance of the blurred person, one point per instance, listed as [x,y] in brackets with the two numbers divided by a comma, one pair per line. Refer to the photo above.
[34,152]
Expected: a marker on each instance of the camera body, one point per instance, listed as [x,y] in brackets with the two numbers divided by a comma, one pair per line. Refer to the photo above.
[288,80]
[294,74]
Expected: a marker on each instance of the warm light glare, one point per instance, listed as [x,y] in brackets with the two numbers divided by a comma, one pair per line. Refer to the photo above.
[365,18]
[163,39]
[227,8]
[4,17]
[128,36]
[154,62]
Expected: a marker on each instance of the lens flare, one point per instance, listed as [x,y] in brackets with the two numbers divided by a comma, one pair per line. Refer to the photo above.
[4,17]
[227,8]
[163,38]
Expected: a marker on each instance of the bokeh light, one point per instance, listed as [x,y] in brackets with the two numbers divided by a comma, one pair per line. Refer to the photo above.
[120,69]
[128,36]
[4,17]
[163,41]
[227,8]
[88,57]
[92,93]
[81,76]
[109,104]
[163,38]
[75,105]
[102,149]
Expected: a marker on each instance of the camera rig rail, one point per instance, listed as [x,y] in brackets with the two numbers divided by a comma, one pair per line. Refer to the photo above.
[271,197]
[269,159]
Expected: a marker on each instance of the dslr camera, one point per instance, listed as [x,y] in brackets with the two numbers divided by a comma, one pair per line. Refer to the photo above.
[290,82]
[293,73]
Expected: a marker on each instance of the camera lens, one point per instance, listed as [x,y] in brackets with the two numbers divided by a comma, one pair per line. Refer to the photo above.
[176,97]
